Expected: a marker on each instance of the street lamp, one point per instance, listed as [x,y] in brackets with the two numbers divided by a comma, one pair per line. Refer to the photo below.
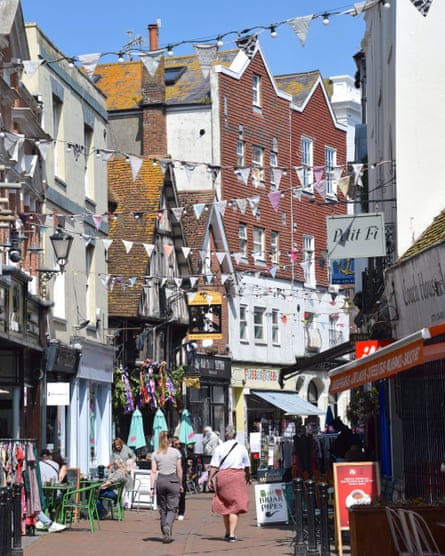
[61,242]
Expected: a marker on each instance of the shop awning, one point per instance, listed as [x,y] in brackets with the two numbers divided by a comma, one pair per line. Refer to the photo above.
[399,356]
[290,402]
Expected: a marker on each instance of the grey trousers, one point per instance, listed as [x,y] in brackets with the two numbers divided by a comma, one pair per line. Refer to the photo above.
[167,490]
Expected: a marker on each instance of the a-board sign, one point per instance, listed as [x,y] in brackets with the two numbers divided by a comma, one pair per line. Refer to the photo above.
[271,506]
[354,483]
[73,476]
[270,475]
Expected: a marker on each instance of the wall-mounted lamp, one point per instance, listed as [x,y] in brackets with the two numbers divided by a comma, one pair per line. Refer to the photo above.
[14,251]
[61,242]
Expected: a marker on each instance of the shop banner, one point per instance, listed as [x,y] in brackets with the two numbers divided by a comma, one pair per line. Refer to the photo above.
[271,506]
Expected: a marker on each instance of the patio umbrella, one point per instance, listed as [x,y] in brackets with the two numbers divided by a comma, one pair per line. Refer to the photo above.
[159,424]
[186,433]
[136,437]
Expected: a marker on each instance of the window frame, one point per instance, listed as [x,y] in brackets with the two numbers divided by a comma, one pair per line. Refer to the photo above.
[309,257]
[275,327]
[259,324]
[258,243]
[307,162]
[240,153]
[243,239]
[256,91]
[258,165]
[330,163]
[274,246]
[273,161]
[243,323]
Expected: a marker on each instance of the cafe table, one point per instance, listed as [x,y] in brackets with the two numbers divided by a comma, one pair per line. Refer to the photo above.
[53,493]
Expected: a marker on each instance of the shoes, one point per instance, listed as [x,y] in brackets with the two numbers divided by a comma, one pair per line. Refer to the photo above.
[231,539]
[180,517]
[56,527]
[41,526]
[105,515]
[167,535]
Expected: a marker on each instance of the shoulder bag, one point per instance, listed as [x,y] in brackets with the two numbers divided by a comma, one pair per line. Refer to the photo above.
[221,462]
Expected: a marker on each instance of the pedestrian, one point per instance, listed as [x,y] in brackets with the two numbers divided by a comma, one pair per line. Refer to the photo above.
[183,451]
[210,441]
[118,475]
[231,466]
[166,474]
[122,451]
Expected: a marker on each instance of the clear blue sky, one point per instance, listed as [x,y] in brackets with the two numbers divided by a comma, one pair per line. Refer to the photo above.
[88,26]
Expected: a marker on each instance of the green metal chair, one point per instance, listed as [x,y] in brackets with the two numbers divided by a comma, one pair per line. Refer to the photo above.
[78,501]
[111,505]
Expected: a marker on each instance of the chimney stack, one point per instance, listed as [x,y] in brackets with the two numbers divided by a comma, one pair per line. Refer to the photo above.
[153,36]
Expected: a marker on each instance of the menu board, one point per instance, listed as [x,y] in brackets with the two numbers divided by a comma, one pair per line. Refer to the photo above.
[354,483]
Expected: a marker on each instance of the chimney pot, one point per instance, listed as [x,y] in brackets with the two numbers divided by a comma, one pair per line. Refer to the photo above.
[153,36]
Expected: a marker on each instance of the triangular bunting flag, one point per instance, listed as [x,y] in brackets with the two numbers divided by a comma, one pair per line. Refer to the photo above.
[237,257]
[135,163]
[31,66]
[277,174]
[357,169]
[151,60]
[193,281]
[209,278]
[198,208]
[149,248]
[186,251]
[189,168]
[203,255]
[254,202]
[87,239]
[178,282]
[89,62]
[242,205]
[43,147]
[168,249]
[343,184]
[128,245]
[298,193]
[423,6]
[300,174]
[107,243]
[177,213]
[274,198]
[105,278]
[243,174]
[321,188]
[221,207]
[132,281]
[247,45]
[98,219]
[206,54]
[220,256]
[301,26]
[318,173]
[224,278]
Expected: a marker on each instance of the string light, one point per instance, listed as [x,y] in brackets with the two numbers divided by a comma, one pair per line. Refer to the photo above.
[325,19]
[273,31]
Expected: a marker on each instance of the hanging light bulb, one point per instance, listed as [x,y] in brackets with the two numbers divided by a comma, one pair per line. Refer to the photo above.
[325,19]
[120,57]
[386,4]
[71,62]
[273,31]
[170,50]
[219,41]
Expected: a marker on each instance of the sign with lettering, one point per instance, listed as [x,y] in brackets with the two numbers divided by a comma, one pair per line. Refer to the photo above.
[351,237]
[205,315]
[271,506]
[270,475]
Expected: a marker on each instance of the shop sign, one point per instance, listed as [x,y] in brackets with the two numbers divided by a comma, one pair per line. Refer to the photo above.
[368,347]
[343,271]
[270,475]
[58,393]
[267,375]
[214,366]
[271,506]
[205,315]
[62,359]
[358,236]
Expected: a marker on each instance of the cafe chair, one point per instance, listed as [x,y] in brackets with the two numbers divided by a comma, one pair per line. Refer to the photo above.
[78,501]
[411,534]
[112,505]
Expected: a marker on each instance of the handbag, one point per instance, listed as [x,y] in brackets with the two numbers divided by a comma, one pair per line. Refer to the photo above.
[220,463]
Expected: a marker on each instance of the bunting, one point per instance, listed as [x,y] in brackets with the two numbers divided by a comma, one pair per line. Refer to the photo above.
[301,26]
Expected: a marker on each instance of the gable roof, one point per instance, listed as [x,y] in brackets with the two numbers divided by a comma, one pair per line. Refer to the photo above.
[143,195]
[121,83]
[298,85]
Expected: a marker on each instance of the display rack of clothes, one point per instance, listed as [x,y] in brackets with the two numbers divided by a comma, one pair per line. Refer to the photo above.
[323,445]
[19,464]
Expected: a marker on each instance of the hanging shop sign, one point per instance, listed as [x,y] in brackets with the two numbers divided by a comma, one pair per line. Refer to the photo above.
[205,315]
[343,271]
[361,235]
[58,393]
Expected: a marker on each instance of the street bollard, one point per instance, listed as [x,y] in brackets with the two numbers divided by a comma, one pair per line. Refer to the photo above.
[324,519]
[17,549]
[312,547]
[5,521]
[298,488]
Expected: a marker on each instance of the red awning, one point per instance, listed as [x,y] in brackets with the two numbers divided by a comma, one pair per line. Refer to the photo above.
[399,356]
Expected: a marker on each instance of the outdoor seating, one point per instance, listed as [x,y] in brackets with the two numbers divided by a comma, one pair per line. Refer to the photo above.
[411,534]
[112,505]
[79,500]
[141,489]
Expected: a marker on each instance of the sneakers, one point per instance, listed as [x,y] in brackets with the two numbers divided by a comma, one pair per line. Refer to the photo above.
[40,526]
[180,517]
[231,539]
[56,527]
[167,535]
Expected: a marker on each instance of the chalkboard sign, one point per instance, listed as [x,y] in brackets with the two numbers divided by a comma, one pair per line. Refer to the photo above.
[73,476]
[270,475]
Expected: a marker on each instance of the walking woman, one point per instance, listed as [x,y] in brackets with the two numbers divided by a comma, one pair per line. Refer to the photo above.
[230,463]
[166,474]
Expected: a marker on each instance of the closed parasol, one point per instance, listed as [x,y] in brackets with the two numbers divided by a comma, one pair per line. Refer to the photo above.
[136,437]
[159,424]
[186,433]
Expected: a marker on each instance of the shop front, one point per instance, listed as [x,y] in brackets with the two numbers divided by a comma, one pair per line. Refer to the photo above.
[79,422]
[410,377]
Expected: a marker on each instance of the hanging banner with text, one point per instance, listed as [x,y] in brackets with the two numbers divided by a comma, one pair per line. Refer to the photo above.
[353,237]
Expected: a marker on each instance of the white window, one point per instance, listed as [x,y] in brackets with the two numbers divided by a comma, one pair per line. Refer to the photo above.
[273,164]
[243,327]
[258,322]
[275,326]
[257,166]
[307,161]
[330,163]
[242,235]
[258,243]
[240,153]
[89,269]
[274,246]
[256,90]
[309,261]
[59,147]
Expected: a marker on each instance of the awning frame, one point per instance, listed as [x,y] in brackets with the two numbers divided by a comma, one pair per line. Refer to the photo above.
[274,397]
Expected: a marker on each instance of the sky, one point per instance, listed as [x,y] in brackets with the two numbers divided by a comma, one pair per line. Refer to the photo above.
[99,26]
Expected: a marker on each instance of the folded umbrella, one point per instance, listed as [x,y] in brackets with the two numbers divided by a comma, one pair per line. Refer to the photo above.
[159,424]
[136,437]
[186,433]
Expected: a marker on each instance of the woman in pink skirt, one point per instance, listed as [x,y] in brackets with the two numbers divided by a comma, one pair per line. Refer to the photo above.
[231,465]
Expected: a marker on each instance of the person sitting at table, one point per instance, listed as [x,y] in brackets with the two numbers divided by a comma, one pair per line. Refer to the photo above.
[118,475]
[49,473]
[63,474]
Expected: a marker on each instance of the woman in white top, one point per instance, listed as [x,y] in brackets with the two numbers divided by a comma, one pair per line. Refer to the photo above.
[166,473]
[231,465]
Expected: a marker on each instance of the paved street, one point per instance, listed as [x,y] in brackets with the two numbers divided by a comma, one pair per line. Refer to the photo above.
[201,532]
